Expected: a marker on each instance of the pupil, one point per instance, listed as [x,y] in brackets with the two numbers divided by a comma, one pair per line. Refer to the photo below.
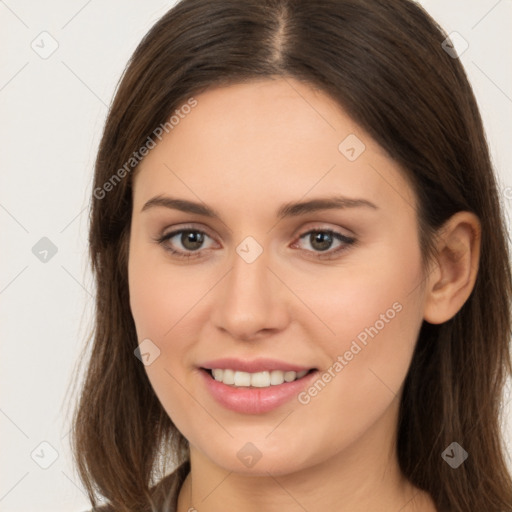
[319,236]
[193,237]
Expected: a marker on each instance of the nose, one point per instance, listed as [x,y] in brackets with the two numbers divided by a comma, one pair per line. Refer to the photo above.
[252,302]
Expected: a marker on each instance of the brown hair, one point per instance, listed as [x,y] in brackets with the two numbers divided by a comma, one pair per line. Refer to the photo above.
[383,62]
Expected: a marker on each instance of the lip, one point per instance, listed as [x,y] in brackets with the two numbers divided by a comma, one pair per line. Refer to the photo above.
[249,400]
[256,365]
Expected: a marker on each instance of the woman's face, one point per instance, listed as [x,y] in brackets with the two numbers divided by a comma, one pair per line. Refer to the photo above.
[265,287]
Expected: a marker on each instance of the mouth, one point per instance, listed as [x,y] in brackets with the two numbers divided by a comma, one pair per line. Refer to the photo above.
[262,379]
[254,386]
[258,392]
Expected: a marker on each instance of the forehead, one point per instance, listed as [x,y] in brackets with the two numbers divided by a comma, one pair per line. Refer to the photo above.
[268,138]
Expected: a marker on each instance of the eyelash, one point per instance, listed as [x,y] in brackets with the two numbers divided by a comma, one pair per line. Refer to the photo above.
[348,241]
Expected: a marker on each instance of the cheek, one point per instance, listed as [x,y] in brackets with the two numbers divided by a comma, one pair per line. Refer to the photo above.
[376,299]
[159,303]
[373,315]
[152,302]
[165,305]
[161,294]
[362,379]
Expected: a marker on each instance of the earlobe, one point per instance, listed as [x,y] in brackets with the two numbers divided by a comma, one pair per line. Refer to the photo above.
[453,277]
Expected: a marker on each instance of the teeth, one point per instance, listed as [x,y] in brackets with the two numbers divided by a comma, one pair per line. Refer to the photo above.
[290,376]
[242,379]
[260,379]
[257,380]
[228,376]
[276,377]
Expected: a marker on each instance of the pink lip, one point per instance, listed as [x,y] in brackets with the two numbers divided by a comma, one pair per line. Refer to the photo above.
[249,400]
[256,365]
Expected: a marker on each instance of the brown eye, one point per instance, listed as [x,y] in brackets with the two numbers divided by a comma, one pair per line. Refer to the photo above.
[191,240]
[321,240]
[187,241]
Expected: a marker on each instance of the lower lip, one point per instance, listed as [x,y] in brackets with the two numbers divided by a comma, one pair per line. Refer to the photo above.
[249,400]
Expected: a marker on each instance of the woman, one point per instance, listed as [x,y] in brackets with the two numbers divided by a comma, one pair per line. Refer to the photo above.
[303,287]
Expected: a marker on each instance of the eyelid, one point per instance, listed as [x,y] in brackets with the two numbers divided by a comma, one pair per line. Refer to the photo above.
[186,227]
[323,226]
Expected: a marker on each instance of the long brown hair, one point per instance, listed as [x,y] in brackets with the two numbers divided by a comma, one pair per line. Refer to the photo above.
[384,63]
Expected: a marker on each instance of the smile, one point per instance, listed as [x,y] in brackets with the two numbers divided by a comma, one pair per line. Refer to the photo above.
[254,387]
[262,379]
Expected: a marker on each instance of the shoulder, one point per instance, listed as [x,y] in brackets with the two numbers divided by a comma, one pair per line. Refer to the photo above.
[166,490]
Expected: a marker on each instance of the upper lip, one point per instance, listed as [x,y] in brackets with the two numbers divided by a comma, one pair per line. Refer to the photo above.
[252,366]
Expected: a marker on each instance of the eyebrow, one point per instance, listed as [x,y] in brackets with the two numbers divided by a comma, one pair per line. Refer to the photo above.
[291,209]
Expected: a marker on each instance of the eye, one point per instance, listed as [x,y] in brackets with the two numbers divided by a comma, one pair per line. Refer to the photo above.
[190,239]
[192,242]
[321,241]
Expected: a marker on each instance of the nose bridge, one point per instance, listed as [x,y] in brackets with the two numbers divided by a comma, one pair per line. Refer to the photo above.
[248,282]
[251,299]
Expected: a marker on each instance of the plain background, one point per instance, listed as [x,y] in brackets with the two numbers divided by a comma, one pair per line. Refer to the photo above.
[52,112]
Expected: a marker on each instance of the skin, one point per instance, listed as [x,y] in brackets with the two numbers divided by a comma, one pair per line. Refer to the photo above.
[244,150]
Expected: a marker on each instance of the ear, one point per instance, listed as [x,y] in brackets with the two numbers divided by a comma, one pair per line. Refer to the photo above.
[452,278]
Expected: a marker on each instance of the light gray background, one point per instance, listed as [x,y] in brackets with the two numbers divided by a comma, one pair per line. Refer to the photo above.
[52,113]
